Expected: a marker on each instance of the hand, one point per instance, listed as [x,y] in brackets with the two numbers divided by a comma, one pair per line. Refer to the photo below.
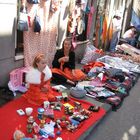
[63,59]
[66,58]
[73,72]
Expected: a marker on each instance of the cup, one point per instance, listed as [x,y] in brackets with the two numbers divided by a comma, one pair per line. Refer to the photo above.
[28,111]
[46,104]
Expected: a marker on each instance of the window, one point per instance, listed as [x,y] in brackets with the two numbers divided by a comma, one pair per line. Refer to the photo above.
[19,37]
[19,42]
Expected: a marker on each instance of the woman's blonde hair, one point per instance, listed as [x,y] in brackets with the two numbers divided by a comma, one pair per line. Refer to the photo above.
[37,59]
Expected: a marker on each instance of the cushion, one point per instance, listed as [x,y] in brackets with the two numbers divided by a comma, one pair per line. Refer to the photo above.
[91,54]
[77,92]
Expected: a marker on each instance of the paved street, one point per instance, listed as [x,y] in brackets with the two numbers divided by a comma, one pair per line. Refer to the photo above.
[124,124]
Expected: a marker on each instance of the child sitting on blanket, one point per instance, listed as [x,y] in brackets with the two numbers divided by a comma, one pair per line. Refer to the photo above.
[38,79]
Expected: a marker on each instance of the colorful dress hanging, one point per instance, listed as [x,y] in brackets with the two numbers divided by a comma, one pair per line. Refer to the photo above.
[45,41]
[90,17]
[104,33]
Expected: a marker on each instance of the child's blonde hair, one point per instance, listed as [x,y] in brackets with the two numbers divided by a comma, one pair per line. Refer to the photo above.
[37,59]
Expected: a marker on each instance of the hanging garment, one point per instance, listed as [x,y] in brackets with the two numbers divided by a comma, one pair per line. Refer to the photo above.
[90,17]
[45,42]
[104,33]
[109,35]
[100,31]
[80,26]
[54,6]
[83,36]
[97,29]
[110,31]
[135,20]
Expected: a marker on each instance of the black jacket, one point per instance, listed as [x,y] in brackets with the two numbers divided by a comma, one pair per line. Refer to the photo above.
[70,64]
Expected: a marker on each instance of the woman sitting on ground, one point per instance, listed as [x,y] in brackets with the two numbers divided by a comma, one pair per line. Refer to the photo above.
[64,65]
[130,36]
[38,79]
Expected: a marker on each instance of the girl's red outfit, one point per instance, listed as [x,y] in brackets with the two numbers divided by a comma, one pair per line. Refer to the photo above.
[38,80]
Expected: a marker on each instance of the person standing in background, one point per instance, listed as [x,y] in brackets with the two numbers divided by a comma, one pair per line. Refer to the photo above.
[116,32]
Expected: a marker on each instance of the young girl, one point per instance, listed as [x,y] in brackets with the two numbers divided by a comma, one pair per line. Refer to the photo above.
[38,79]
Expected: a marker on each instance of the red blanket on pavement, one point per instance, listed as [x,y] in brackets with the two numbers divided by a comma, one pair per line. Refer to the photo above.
[10,120]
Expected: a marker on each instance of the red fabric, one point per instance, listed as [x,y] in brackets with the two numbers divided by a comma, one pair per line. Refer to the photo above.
[10,120]
[34,94]
[91,65]
[78,74]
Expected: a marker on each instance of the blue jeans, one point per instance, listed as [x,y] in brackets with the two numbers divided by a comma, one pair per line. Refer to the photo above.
[131,41]
[114,41]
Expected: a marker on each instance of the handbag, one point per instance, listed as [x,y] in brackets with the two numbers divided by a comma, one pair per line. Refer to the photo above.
[33,1]
[23,21]
[37,25]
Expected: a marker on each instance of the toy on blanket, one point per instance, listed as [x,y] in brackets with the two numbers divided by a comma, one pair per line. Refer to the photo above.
[56,105]
[30,122]
[49,113]
[48,130]
[17,80]
[77,105]
[40,113]
[19,135]
[65,96]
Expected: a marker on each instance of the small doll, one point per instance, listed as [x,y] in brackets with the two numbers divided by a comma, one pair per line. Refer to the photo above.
[18,135]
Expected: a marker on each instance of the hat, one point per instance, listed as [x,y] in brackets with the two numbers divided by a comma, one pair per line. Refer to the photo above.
[77,92]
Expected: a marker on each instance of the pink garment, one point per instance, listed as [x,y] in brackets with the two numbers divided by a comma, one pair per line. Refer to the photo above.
[97,82]
[45,41]
[90,16]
